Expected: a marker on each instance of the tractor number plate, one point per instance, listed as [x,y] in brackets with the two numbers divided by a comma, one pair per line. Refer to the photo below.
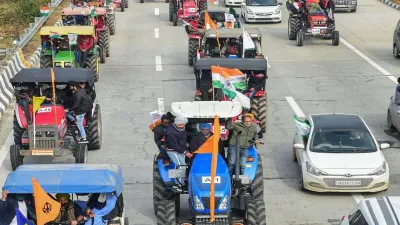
[177,173]
[42,152]
[315,31]
[192,10]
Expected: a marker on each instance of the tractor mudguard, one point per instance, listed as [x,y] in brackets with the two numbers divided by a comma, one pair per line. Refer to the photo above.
[20,115]
[194,36]
[298,15]
[259,93]
[101,28]
[164,172]
[252,164]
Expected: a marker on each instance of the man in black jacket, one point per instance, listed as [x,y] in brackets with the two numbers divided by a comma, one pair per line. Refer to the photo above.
[8,203]
[82,104]
[159,139]
[256,83]
[201,138]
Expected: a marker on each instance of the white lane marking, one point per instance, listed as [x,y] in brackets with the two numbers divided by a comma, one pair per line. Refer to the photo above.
[156,11]
[156,33]
[370,61]
[295,107]
[158,63]
[266,58]
[160,103]
[357,197]
[5,149]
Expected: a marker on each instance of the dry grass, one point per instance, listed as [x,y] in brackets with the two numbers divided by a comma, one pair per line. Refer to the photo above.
[396,1]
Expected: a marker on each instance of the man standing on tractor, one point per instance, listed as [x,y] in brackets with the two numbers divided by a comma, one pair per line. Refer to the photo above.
[230,48]
[176,145]
[246,134]
[85,44]
[159,139]
[256,83]
[82,104]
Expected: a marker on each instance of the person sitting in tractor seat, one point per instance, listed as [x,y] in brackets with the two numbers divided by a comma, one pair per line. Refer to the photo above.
[198,140]
[99,210]
[82,104]
[159,139]
[85,44]
[256,83]
[176,145]
[24,98]
[230,48]
[206,88]
[69,211]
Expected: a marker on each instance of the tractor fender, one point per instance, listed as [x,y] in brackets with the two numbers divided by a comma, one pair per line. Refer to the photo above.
[260,93]
[102,28]
[251,167]
[19,114]
[194,36]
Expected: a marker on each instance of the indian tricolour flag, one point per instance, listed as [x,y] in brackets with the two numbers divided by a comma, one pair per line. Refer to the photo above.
[229,80]
[44,11]
[93,11]
[55,35]
[73,39]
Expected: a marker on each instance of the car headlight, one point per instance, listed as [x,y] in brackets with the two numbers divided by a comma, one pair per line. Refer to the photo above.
[277,11]
[198,204]
[314,171]
[381,170]
[248,11]
[224,204]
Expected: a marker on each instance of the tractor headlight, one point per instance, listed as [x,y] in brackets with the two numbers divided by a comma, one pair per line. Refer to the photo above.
[57,64]
[198,204]
[314,171]
[277,11]
[354,2]
[67,64]
[224,204]
[381,170]
[248,11]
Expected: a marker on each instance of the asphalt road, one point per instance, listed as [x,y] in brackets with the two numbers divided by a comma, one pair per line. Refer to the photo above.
[149,61]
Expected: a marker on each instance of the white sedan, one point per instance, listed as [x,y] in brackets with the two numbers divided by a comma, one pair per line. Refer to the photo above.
[340,154]
[261,11]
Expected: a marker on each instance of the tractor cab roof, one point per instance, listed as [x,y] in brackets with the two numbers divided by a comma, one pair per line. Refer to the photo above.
[206,109]
[215,14]
[240,63]
[62,75]
[65,30]
[78,11]
[232,33]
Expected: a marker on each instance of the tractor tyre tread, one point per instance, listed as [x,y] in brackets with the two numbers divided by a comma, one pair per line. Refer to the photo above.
[257,186]
[111,23]
[203,5]
[91,62]
[104,41]
[193,45]
[259,108]
[295,25]
[166,213]
[81,153]
[18,131]
[94,130]
[256,213]
[45,62]
[15,157]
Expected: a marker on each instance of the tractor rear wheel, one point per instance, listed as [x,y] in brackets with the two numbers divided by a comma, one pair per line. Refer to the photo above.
[294,25]
[257,186]
[111,23]
[171,10]
[15,157]
[193,46]
[104,41]
[92,62]
[335,38]
[18,131]
[255,213]
[45,62]
[202,5]
[94,130]
[259,107]
[126,3]
[102,54]
[81,153]
[166,213]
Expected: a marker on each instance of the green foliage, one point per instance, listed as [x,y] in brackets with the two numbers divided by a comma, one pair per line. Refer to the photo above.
[21,12]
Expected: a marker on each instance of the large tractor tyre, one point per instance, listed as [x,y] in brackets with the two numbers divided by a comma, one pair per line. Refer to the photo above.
[46,62]
[193,46]
[255,213]
[104,41]
[257,186]
[122,5]
[81,153]
[259,107]
[175,19]
[102,54]
[94,130]
[335,38]
[294,25]
[166,213]
[18,131]
[203,5]
[126,3]
[160,191]
[111,23]
[15,157]
[92,62]
[171,10]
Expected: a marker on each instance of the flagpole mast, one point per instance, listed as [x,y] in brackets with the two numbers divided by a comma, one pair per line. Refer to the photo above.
[34,128]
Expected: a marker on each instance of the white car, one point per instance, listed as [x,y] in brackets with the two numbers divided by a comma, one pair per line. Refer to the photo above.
[233,2]
[374,211]
[261,11]
[340,154]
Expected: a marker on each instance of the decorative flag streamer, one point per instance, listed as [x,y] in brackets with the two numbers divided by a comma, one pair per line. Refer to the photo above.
[21,219]
[248,43]
[302,126]
[209,23]
[53,78]
[73,39]
[211,146]
[47,209]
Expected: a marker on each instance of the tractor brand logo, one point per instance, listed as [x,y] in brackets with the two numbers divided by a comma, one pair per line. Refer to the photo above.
[47,109]
[348,175]
[228,84]
[47,208]
[207,180]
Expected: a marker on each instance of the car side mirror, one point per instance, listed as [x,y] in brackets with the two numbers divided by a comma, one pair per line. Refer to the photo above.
[280,3]
[385,145]
[398,112]
[298,146]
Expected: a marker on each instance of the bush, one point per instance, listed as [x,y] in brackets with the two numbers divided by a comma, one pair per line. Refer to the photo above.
[23,12]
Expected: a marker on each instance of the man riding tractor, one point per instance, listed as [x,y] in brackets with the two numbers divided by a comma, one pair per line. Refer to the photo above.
[70,46]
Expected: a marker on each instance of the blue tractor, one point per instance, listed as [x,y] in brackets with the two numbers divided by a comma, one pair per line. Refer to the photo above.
[238,200]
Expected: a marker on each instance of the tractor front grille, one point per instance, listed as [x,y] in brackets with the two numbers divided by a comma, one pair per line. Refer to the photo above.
[47,137]
[206,202]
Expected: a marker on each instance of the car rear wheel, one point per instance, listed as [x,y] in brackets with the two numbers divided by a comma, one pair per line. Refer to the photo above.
[396,52]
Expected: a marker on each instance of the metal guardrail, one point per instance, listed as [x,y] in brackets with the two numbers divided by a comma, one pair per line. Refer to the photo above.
[31,31]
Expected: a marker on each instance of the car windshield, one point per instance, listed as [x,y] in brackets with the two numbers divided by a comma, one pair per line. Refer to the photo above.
[342,141]
[263,3]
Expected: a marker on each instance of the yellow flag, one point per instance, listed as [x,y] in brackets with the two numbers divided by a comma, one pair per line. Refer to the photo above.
[37,101]
[47,209]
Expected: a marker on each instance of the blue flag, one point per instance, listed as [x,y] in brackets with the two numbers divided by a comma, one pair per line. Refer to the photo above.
[21,219]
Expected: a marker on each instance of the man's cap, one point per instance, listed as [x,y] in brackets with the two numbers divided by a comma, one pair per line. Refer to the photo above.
[180,120]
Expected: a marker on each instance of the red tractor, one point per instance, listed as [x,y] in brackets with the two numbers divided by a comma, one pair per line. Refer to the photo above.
[259,104]
[318,27]
[182,9]
[45,132]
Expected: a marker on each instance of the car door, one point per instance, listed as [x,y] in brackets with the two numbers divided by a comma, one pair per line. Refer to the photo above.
[396,34]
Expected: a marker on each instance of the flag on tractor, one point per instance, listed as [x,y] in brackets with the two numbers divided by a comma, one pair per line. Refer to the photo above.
[93,11]
[47,209]
[55,35]
[248,43]
[37,101]
[211,146]
[302,126]
[229,80]
[209,23]
[73,39]
[44,11]
[21,219]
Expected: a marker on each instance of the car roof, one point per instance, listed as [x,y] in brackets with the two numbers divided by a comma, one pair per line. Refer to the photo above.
[381,210]
[65,30]
[240,63]
[232,33]
[337,121]
[62,75]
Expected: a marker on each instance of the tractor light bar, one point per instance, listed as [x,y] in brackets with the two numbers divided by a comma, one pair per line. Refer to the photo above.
[224,204]
[199,205]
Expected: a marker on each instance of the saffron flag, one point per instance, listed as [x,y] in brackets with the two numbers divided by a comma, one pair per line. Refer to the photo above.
[209,23]
[47,209]
[21,219]
[211,146]
[37,101]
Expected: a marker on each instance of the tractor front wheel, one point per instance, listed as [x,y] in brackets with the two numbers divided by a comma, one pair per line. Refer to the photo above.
[175,19]
[335,38]
[81,153]
[15,156]
[46,62]
[111,23]
[18,131]
[193,46]
[257,186]
[166,213]
[171,10]
[94,130]
[294,25]
[92,62]
[104,41]
[102,54]
[255,213]
[259,107]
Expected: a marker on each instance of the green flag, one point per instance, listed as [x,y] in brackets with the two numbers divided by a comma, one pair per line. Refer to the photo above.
[55,35]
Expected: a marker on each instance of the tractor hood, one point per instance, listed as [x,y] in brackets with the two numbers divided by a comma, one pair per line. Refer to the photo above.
[46,115]
[64,56]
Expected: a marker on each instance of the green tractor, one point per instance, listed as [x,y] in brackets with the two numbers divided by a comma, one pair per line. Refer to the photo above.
[59,50]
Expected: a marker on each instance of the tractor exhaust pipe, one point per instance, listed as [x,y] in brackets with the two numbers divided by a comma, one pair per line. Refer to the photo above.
[237,181]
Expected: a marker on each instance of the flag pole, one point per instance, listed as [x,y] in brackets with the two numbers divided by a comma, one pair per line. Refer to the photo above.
[54,93]
[34,128]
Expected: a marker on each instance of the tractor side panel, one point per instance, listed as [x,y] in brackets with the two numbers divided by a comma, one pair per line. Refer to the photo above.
[20,115]
[164,171]
[251,167]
